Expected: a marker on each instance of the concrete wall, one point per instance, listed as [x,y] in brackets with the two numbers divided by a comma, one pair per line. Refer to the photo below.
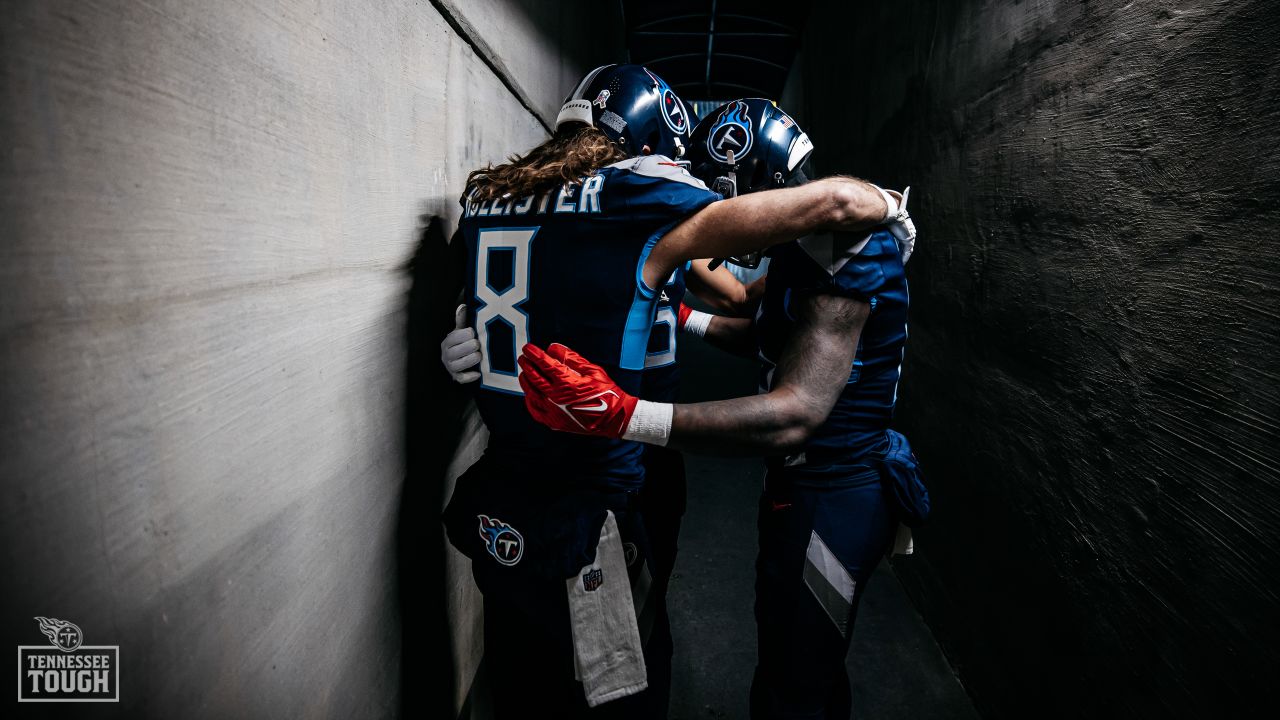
[206,211]
[586,34]
[1091,380]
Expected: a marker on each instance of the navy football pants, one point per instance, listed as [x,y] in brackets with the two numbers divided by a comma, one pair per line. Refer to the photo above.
[662,505]
[528,652]
[818,548]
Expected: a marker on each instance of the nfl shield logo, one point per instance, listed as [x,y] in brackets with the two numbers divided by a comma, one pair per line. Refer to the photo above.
[592,579]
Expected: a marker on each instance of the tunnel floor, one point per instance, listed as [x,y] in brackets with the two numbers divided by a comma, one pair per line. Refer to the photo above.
[896,668]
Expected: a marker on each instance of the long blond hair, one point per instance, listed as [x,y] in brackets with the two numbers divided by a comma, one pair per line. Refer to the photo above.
[569,155]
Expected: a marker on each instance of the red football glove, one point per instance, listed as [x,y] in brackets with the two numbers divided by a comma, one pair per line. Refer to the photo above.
[567,392]
[682,316]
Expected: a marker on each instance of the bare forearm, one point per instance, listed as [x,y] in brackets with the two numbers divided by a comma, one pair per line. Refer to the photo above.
[752,425]
[755,292]
[732,335]
[812,371]
[729,303]
[720,289]
[763,219]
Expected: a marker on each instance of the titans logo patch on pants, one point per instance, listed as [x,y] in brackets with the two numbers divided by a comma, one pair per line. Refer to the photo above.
[502,541]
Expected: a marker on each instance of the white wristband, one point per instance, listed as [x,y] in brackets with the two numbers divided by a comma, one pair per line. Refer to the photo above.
[697,322]
[890,203]
[650,423]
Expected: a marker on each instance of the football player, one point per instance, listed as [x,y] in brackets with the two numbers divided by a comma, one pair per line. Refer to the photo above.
[572,243]
[830,335]
[662,497]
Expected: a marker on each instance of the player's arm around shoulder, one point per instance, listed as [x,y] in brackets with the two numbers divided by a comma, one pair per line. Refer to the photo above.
[566,392]
[763,219]
[734,335]
[812,371]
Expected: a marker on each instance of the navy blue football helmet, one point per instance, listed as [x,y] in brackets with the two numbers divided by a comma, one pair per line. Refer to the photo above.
[633,107]
[748,145]
[751,138]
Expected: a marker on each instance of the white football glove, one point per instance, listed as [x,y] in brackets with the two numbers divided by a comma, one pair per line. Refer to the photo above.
[898,221]
[460,350]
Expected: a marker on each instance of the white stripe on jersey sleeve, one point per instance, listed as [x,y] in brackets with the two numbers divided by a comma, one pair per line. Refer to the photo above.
[832,252]
[659,166]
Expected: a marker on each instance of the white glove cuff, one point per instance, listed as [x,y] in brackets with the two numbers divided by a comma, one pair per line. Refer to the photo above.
[650,423]
[697,322]
[890,204]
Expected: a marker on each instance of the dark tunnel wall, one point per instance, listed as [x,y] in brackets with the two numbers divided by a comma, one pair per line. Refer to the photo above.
[1091,380]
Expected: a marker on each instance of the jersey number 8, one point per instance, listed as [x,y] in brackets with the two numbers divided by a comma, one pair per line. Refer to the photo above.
[500,306]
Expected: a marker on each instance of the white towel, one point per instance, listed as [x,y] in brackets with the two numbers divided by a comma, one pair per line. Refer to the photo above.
[608,656]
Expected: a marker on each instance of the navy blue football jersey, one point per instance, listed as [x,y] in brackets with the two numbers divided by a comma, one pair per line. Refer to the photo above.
[566,267]
[661,373]
[870,270]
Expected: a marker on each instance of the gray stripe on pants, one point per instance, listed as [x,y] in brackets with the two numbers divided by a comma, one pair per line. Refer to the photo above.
[641,594]
[830,583]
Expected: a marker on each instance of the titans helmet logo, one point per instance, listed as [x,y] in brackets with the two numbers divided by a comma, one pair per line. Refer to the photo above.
[731,132]
[66,636]
[672,107]
[501,540]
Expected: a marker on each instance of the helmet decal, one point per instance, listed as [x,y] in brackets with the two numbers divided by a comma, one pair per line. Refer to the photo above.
[673,111]
[613,121]
[633,107]
[731,132]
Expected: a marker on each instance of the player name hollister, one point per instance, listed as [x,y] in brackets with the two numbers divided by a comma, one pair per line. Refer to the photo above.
[584,198]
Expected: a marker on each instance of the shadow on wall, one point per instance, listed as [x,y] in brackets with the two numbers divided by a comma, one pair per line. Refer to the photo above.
[433,410]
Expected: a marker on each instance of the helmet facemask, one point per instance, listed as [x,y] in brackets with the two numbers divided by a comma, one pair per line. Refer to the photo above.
[727,186]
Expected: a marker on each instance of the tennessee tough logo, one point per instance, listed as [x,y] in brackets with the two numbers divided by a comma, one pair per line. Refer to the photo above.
[67,670]
[502,541]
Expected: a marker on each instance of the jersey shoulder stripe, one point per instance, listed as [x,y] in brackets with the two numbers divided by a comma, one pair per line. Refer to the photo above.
[832,252]
[658,166]
[859,266]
